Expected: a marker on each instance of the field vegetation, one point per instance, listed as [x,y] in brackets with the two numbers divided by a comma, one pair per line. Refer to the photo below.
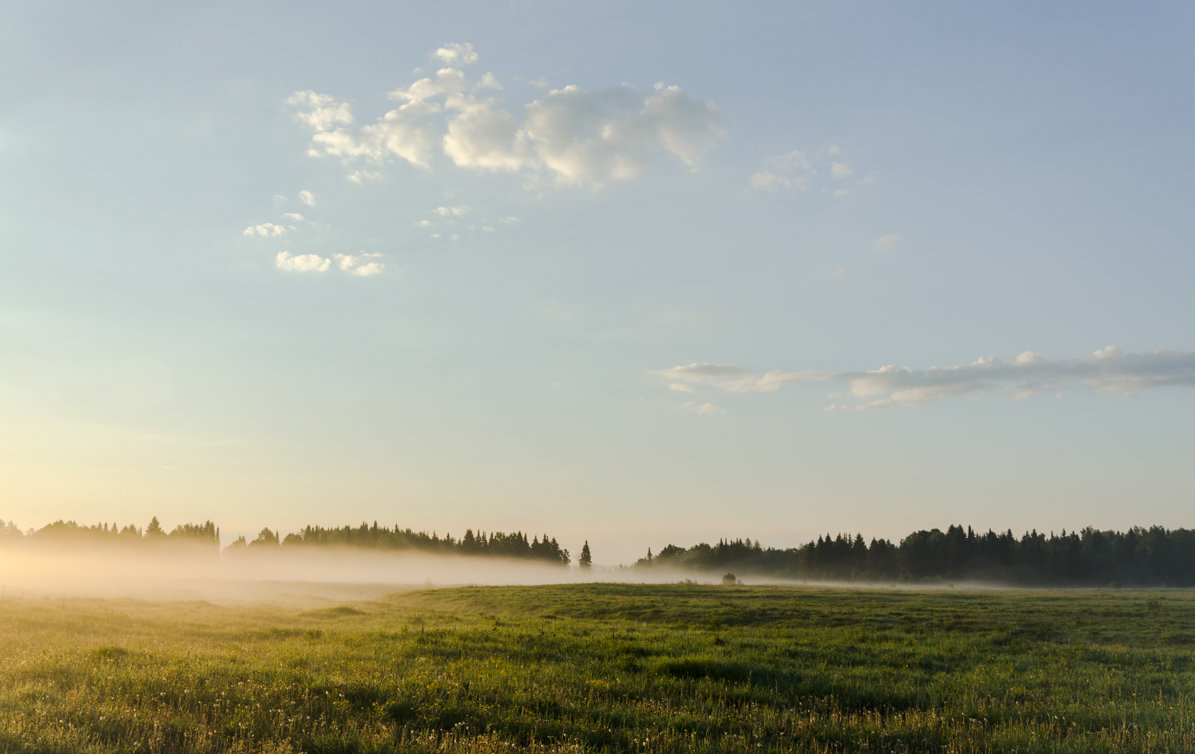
[604,667]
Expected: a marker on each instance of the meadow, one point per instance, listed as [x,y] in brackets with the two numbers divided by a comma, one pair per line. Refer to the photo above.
[605,667]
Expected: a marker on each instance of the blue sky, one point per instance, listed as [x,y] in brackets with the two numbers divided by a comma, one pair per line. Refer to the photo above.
[628,272]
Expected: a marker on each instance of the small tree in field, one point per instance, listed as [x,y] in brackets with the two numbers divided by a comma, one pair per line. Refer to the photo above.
[586,560]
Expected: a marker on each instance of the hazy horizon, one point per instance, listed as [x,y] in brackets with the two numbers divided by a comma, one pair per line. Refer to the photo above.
[632,274]
[305,575]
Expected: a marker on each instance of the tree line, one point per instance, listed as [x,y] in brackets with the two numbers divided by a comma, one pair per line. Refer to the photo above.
[69,532]
[1140,557]
[493,544]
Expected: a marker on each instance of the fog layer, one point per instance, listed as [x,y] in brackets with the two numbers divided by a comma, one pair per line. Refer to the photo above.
[275,575]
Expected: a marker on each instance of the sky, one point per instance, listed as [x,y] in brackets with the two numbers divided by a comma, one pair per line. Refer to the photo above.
[631,273]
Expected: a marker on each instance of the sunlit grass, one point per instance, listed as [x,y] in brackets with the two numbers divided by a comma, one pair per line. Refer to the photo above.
[605,667]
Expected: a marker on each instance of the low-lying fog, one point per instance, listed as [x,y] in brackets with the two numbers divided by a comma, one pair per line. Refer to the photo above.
[280,574]
[302,574]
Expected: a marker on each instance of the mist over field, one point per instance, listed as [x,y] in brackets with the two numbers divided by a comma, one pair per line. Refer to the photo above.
[333,573]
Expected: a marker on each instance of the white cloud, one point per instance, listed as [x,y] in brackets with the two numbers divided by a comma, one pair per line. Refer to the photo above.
[684,126]
[320,111]
[294,217]
[452,211]
[365,264]
[307,198]
[401,133]
[593,136]
[481,135]
[301,263]
[840,170]
[1108,370]
[572,135]
[456,53]
[446,81]
[264,230]
[368,269]
[704,409]
[884,243]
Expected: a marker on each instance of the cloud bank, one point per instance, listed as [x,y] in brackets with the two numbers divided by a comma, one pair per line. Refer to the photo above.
[1106,371]
[584,137]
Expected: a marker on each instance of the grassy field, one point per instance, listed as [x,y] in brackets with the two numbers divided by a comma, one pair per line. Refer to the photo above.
[605,668]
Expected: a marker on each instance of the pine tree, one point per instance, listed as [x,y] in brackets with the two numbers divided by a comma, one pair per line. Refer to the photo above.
[586,560]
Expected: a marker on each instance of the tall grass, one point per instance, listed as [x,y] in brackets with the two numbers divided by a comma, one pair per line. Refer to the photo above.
[606,668]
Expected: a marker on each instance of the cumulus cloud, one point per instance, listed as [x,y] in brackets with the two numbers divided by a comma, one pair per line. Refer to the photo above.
[320,111]
[1106,371]
[301,262]
[446,81]
[482,135]
[592,136]
[401,133]
[264,230]
[294,217]
[456,53]
[571,135]
[307,198]
[457,211]
[365,264]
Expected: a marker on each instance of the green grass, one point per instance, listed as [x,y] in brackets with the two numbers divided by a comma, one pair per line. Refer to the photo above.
[606,668]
